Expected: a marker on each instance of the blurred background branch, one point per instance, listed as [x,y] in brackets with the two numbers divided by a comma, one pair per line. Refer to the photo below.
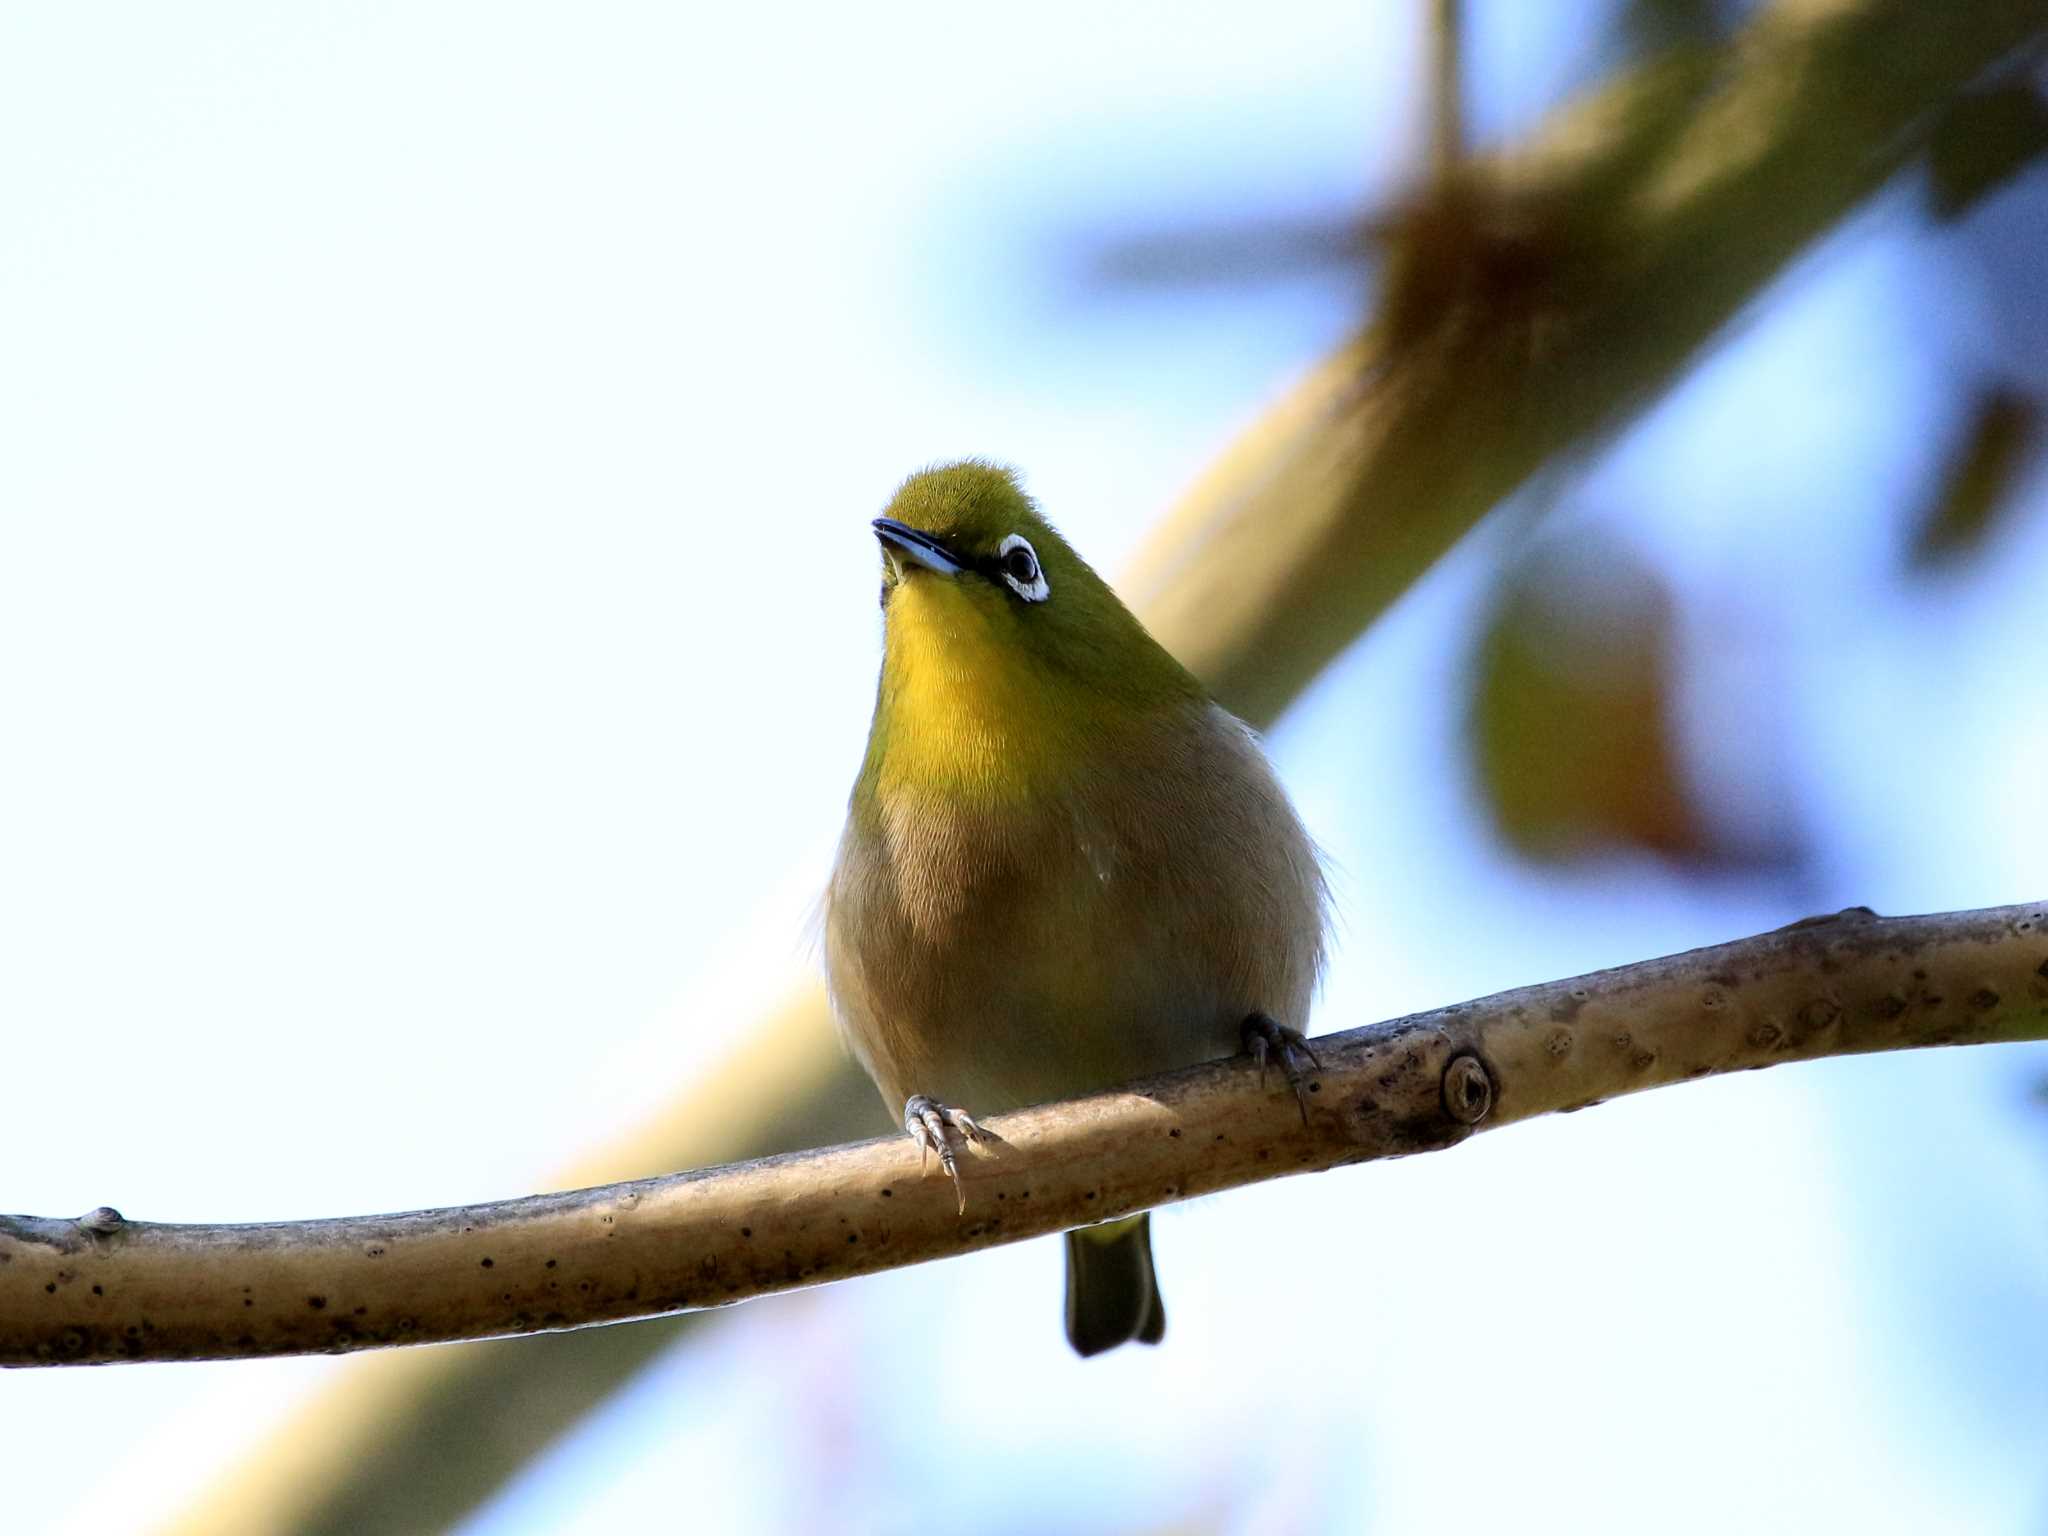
[1534,301]
[1527,304]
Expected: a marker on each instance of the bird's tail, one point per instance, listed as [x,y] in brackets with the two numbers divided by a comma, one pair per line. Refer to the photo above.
[1112,1293]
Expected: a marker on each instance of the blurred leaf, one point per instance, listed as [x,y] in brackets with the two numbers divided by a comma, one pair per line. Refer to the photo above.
[1982,141]
[1571,709]
[1980,479]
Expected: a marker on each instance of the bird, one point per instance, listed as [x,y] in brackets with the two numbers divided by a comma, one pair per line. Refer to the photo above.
[1064,865]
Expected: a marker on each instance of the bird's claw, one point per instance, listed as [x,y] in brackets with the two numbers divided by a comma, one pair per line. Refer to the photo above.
[1265,1040]
[932,1126]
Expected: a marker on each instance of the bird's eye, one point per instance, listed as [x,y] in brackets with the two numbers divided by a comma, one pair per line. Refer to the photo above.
[1018,562]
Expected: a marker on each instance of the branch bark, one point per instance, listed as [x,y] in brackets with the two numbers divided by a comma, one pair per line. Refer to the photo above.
[101,1288]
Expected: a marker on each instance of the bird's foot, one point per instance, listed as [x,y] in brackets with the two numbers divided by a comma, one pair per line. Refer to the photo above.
[1265,1040]
[934,1126]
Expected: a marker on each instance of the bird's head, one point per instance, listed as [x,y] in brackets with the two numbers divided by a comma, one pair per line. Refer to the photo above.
[972,525]
[999,638]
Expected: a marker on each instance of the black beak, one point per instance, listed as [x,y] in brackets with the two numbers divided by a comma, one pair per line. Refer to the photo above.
[921,547]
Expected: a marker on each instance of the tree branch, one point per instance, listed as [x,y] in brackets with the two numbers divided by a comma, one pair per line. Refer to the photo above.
[101,1288]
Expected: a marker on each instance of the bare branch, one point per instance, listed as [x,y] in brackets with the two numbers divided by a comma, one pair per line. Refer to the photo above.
[101,1288]
[1446,87]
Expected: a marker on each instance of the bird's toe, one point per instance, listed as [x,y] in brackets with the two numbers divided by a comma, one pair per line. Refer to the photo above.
[935,1127]
[1266,1040]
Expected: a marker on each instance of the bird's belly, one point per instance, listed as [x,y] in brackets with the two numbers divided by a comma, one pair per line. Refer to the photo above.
[1084,1019]
[1046,988]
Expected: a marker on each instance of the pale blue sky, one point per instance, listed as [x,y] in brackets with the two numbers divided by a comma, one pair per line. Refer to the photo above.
[437,631]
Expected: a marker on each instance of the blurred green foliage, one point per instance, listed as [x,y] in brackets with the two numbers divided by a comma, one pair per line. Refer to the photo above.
[1982,477]
[1984,139]
[1571,712]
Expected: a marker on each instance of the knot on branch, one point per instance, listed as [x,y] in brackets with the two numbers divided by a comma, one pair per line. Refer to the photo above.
[1468,1090]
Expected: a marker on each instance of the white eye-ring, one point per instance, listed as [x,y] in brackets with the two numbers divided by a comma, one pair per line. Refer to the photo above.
[1018,562]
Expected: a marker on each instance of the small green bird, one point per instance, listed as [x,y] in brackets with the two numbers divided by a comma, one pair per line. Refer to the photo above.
[1064,865]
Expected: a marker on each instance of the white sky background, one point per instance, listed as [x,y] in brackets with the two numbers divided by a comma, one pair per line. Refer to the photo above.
[437,632]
